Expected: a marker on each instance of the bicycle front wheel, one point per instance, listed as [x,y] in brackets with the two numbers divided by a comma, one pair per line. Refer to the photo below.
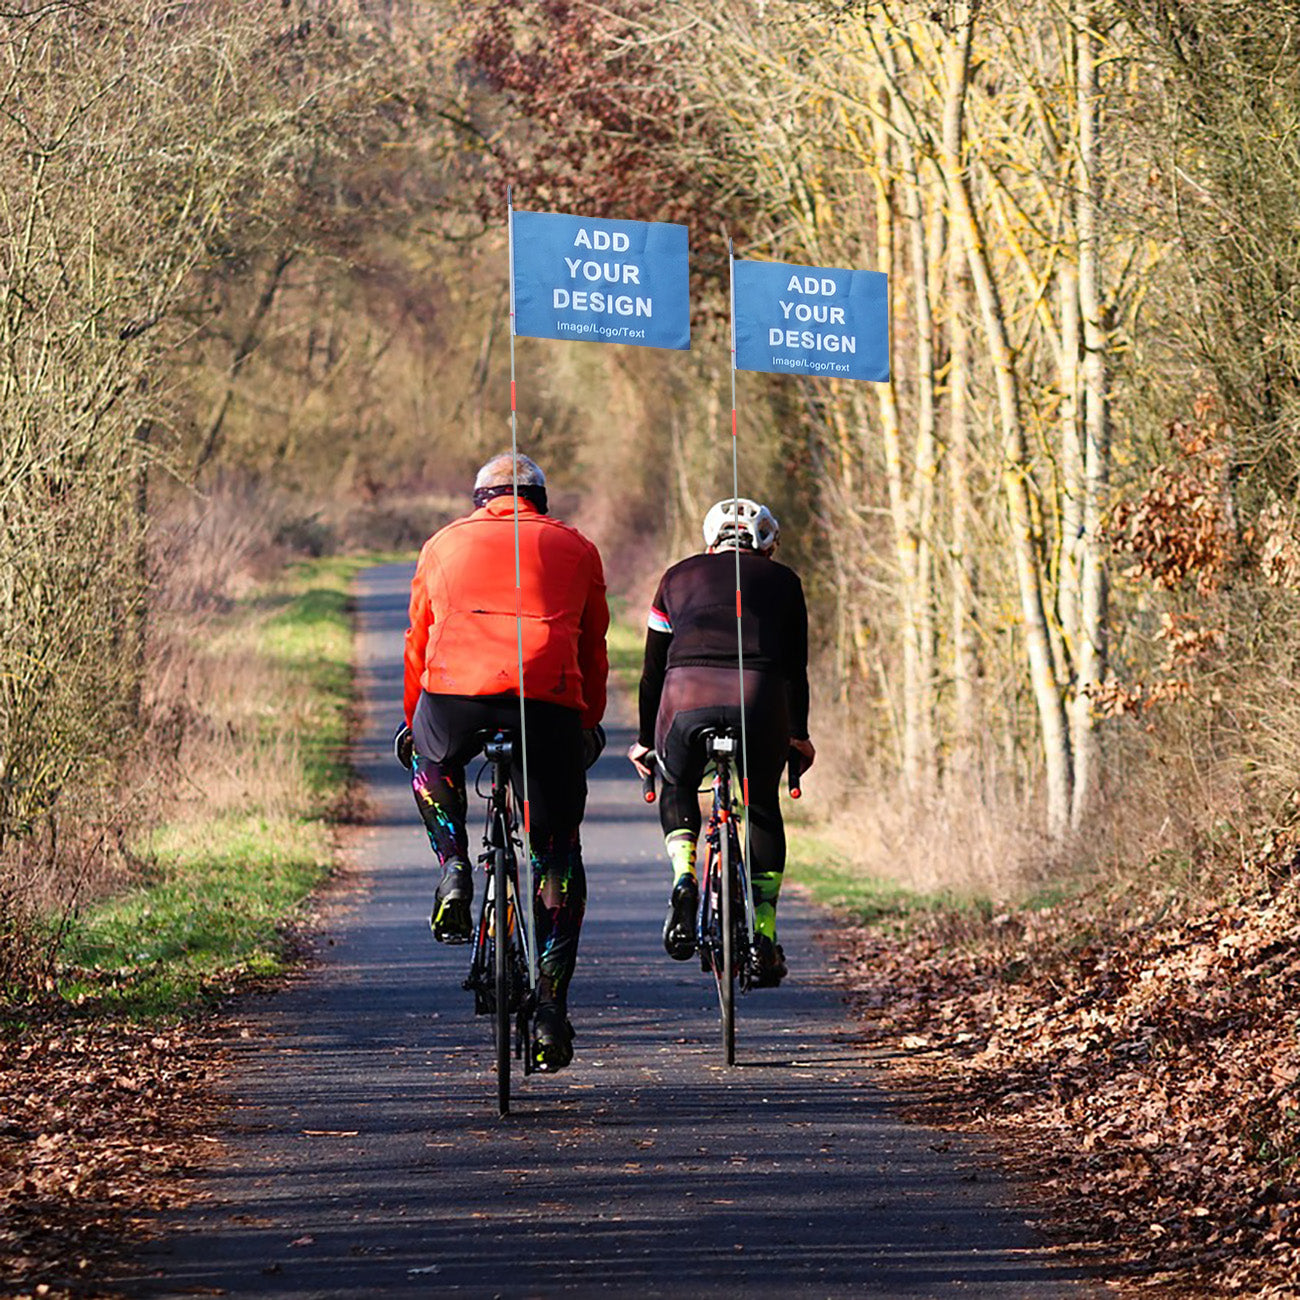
[501,975]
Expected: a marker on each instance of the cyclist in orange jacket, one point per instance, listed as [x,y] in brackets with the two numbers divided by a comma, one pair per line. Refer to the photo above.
[462,676]
[690,683]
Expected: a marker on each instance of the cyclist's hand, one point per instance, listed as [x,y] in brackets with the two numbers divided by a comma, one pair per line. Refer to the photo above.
[404,746]
[593,744]
[805,750]
[638,753]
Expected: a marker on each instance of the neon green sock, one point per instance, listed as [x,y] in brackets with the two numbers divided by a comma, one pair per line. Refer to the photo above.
[681,853]
[767,886]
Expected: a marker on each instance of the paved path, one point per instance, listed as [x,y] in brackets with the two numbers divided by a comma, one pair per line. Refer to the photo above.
[365,1156]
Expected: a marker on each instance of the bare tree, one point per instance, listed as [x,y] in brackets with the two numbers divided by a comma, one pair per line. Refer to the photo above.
[142,145]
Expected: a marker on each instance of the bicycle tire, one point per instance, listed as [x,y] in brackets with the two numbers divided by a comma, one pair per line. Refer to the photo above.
[502,1020]
[704,926]
[726,969]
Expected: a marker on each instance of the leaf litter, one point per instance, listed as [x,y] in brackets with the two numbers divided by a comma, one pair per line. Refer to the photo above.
[99,1121]
[1143,1071]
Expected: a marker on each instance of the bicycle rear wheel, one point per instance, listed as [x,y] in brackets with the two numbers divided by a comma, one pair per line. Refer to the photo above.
[502,1020]
[725,968]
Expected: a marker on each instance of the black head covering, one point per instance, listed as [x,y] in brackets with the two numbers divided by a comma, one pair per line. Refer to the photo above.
[534,492]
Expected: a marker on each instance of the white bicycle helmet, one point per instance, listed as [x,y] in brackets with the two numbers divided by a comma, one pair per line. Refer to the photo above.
[738,521]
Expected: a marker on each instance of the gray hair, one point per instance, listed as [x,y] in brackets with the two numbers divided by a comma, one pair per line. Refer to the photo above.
[501,469]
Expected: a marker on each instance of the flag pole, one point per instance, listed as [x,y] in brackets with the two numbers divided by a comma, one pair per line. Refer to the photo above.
[740,640]
[525,902]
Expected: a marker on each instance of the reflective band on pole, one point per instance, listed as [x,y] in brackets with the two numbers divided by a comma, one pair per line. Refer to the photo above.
[526,863]
[735,512]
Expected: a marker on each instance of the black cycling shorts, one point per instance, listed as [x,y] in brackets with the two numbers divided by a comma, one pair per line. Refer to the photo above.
[451,729]
[697,697]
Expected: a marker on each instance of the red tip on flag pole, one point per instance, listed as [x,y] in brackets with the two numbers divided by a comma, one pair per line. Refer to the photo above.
[527,820]
[745,785]
[512,394]
[737,602]
[733,421]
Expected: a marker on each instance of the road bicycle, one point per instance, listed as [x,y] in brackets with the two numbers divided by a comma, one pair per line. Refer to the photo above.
[502,956]
[724,932]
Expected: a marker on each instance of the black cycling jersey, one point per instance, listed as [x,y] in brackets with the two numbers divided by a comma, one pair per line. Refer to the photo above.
[693,622]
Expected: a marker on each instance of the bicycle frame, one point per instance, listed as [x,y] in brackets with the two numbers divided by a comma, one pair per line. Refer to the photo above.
[503,968]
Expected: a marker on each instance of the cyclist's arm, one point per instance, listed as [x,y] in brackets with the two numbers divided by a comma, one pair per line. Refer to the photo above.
[653,667]
[417,640]
[593,658]
[797,664]
[658,637]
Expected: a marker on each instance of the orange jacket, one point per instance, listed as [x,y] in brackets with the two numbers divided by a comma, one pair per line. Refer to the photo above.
[463,640]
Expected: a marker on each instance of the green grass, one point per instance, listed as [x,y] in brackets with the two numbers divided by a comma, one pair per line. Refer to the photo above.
[625,644]
[215,911]
[311,636]
[223,887]
[836,882]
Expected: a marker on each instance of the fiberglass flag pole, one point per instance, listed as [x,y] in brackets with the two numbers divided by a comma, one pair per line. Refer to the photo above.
[604,281]
[740,640]
[526,865]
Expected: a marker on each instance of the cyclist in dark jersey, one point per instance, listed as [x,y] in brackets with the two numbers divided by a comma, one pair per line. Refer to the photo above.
[690,682]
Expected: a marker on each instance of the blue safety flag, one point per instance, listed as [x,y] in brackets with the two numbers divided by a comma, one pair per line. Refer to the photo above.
[601,280]
[810,320]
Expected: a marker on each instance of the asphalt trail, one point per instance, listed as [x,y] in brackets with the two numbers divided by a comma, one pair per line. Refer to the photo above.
[364,1155]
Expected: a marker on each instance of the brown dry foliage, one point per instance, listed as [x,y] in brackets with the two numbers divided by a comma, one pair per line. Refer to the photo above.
[1177,530]
[99,1119]
[1278,548]
[1177,535]
[1143,1065]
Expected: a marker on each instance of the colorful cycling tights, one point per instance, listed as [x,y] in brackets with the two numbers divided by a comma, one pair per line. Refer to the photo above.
[560,880]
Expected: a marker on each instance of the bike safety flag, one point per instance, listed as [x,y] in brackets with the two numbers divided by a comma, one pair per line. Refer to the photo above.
[601,280]
[810,320]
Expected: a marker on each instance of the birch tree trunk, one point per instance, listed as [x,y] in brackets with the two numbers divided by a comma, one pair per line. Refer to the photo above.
[961,565]
[1091,653]
[914,542]
[1026,542]
[891,441]
[1072,473]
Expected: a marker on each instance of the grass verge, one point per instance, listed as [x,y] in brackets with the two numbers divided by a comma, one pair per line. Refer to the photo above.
[625,644]
[259,772]
[835,881]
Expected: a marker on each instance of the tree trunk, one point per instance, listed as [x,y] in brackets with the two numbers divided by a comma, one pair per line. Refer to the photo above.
[247,342]
[961,567]
[1026,542]
[1096,420]
[891,440]
[1072,473]
[916,545]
